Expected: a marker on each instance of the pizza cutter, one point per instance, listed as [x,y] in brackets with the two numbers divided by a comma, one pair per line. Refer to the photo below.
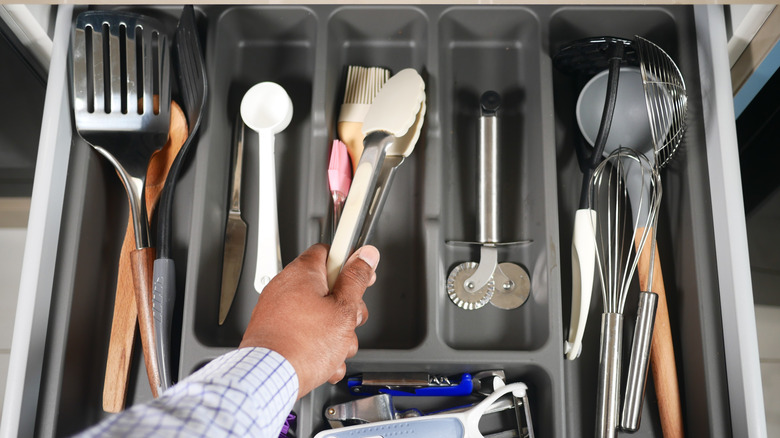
[471,285]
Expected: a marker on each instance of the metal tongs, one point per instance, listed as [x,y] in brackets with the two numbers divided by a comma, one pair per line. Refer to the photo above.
[392,127]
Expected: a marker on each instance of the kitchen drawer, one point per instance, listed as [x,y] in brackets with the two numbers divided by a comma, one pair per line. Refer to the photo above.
[78,213]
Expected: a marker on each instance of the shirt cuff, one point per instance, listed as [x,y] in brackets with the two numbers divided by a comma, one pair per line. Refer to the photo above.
[253,369]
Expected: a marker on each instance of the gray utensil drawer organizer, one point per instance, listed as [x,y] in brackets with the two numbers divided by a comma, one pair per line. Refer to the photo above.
[461,51]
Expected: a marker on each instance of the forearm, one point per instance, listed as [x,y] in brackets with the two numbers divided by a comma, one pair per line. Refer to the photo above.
[247,392]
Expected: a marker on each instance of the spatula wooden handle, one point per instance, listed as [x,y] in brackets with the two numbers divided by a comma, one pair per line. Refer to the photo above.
[142,261]
[120,346]
[662,360]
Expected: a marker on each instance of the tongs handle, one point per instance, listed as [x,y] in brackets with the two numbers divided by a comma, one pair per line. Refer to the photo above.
[362,195]
[385,178]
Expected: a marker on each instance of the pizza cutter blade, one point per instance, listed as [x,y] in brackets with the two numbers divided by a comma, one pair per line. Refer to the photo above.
[512,286]
[466,294]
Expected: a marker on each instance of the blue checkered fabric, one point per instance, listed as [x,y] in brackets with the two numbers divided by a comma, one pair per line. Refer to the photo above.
[247,392]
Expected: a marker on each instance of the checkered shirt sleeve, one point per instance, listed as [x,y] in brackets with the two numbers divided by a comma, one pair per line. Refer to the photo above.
[247,392]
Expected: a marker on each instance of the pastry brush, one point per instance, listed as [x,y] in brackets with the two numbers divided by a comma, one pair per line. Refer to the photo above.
[363,83]
[339,178]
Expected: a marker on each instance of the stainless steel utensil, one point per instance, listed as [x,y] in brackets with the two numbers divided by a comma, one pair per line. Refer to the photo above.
[360,411]
[615,233]
[645,196]
[392,127]
[666,98]
[471,285]
[235,230]
[630,120]
[582,59]
[191,73]
[122,107]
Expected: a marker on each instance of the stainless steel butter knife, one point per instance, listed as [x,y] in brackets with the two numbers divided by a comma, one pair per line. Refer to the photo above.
[235,231]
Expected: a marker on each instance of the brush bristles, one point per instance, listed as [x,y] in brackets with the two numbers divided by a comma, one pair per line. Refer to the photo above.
[363,84]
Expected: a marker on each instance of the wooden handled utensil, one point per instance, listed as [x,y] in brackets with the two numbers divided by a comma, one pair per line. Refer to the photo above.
[120,347]
[666,100]
[124,122]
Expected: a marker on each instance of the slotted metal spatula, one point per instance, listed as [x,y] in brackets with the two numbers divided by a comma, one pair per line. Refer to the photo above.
[122,104]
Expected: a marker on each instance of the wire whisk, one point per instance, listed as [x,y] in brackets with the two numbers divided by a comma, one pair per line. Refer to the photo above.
[624,193]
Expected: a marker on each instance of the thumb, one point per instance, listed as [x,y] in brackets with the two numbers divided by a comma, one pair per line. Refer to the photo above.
[356,275]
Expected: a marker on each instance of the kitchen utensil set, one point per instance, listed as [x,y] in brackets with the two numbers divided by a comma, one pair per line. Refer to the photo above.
[652,120]
[377,391]
[122,105]
[455,423]
[122,108]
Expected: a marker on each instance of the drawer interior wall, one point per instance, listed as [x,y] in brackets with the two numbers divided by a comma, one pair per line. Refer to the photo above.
[461,51]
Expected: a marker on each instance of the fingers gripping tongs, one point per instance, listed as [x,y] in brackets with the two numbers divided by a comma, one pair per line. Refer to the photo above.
[392,127]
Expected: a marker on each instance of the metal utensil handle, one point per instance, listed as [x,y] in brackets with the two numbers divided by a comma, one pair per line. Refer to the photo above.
[639,362]
[238,140]
[163,297]
[608,397]
[361,194]
[385,178]
[487,165]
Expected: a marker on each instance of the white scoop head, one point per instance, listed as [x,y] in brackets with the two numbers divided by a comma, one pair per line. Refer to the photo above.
[267,107]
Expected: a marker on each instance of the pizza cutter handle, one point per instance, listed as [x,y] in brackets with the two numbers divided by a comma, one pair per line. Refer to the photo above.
[487,165]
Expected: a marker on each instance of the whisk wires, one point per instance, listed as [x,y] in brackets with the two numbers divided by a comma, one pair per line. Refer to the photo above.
[625,193]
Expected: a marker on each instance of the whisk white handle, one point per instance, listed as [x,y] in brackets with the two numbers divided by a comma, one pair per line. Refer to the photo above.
[583,263]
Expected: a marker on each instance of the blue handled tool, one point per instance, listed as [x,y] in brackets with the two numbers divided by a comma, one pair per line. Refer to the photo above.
[424,385]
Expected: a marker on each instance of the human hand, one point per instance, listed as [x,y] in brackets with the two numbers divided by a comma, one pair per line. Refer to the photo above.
[312,327]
